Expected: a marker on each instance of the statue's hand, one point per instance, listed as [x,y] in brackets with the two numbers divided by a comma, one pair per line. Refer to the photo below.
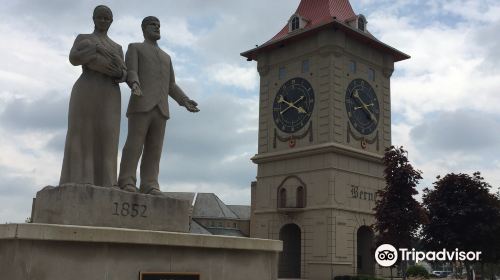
[123,77]
[102,50]
[136,89]
[113,70]
[191,105]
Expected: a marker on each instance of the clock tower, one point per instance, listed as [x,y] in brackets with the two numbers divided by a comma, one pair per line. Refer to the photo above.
[324,122]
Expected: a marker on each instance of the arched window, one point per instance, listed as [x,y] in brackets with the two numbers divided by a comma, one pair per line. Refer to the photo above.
[300,197]
[361,23]
[282,198]
[295,23]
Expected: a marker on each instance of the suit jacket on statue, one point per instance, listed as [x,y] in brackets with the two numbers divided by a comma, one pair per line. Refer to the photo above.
[152,69]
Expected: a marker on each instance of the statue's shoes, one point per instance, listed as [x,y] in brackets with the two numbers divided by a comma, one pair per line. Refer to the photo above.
[154,191]
[129,188]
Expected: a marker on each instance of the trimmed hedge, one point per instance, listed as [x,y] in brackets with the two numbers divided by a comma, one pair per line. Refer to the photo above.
[417,271]
[357,277]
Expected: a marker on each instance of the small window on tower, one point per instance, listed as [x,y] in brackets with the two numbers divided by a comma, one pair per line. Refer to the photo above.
[282,198]
[295,23]
[362,23]
[352,66]
[305,66]
[371,74]
[300,196]
[282,72]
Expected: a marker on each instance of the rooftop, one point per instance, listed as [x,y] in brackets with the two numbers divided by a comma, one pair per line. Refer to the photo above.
[320,15]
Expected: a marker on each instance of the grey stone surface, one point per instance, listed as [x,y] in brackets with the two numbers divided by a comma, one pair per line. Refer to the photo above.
[227,232]
[91,148]
[197,228]
[242,211]
[54,252]
[151,77]
[209,205]
[189,196]
[87,205]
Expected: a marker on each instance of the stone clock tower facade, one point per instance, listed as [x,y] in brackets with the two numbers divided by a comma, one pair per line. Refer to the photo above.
[324,122]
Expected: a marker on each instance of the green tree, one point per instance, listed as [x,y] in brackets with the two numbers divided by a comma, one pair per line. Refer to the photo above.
[398,215]
[463,214]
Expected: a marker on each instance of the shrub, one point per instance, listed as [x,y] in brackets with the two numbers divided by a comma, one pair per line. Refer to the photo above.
[358,277]
[417,271]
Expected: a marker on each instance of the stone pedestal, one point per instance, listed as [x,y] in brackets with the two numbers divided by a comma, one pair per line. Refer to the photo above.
[57,252]
[87,205]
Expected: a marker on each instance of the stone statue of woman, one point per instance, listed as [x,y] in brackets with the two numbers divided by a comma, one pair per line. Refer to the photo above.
[91,149]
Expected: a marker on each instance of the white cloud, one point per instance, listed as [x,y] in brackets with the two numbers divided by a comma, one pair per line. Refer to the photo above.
[444,72]
[25,155]
[178,32]
[473,10]
[31,64]
[444,81]
[233,75]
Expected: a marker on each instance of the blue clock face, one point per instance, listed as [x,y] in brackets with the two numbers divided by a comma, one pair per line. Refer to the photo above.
[293,105]
[362,106]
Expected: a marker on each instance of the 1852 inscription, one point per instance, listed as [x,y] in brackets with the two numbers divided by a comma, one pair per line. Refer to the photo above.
[168,276]
[133,210]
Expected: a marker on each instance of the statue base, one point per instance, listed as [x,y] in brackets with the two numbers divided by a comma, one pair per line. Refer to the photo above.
[87,205]
[58,252]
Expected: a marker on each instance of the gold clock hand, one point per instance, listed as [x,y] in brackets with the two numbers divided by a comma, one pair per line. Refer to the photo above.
[292,105]
[281,99]
[360,107]
[364,106]
[286,109]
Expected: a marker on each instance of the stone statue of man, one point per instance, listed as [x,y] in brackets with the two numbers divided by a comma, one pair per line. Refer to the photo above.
[151,77]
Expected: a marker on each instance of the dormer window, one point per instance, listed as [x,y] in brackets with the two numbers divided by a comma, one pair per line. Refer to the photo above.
[362,23]
[358,22]
[295,24]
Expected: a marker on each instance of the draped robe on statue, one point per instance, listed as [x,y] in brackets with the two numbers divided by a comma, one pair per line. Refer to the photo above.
[91,149]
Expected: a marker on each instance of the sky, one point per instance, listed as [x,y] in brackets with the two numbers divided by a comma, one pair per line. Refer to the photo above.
[445,99]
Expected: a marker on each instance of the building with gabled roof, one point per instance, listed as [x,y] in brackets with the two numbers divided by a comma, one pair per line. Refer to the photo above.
[209,215]
[218,218]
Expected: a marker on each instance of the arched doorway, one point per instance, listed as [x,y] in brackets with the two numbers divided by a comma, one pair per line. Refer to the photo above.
[289,259]
[366,260]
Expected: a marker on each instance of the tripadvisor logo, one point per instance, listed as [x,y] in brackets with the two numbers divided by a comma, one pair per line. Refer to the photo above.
[386,255]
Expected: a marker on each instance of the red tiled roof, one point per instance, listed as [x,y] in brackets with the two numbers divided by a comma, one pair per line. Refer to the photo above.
[318,12]
[322,14]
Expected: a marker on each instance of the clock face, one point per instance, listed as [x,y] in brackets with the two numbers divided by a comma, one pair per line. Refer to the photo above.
[362,106]
[293,105]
